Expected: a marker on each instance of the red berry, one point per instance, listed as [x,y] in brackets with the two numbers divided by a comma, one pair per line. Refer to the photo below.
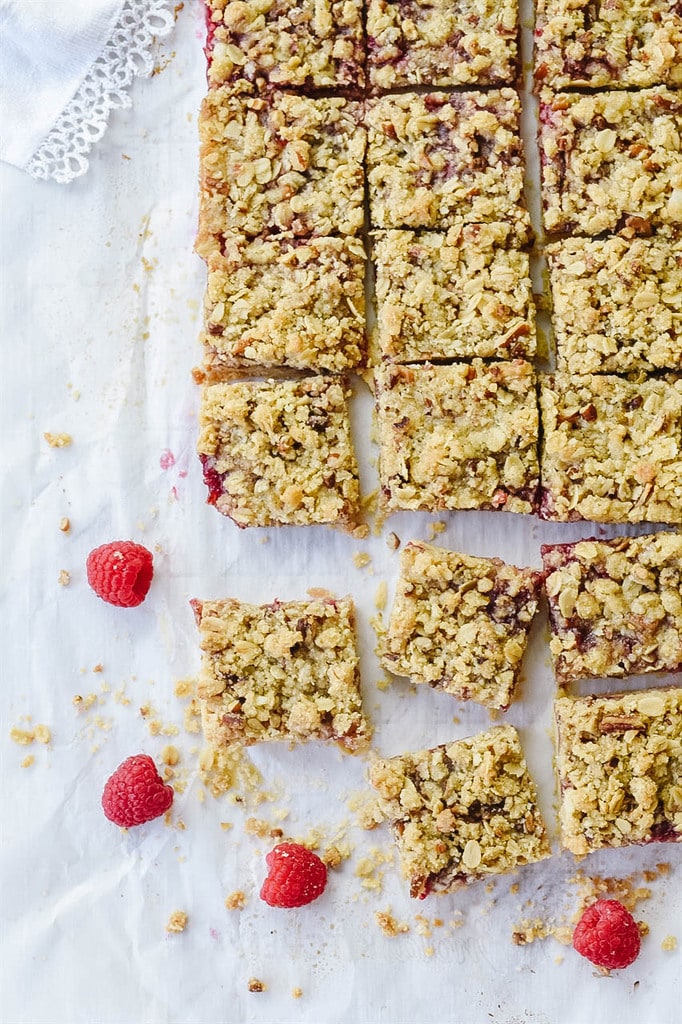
[296,876]
[121,572]
[136,793]
[607,934]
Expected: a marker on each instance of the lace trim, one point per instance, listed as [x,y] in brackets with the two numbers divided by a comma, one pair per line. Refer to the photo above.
[128,52]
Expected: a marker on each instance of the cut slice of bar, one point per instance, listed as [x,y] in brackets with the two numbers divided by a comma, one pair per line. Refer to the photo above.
[618,44]
[462,811]
[282,671]
[285,302]
[278,164]
[442,42]
[619,764]
[453,295]
[279,452]
[617,304]
[457,437]
[286,43]
[612,449]
[437,159]
[615,606]
[611,162]
[460,623]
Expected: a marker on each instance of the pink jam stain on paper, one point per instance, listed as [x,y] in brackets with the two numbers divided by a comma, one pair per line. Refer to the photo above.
[167,459]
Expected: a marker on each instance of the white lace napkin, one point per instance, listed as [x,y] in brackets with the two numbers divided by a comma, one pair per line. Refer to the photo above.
[64,65]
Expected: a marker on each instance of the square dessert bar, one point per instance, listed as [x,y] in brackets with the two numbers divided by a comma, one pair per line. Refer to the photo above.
[611,161]
[285,302]
[619,44]
[278,164]
[286,42]
[617,304]
[612,449]
[460,623]
[615,606]
[442,42]
[456,437]
[282,671]
[462,811]
[453,294]
[619,765]
[279,452]
[438,159]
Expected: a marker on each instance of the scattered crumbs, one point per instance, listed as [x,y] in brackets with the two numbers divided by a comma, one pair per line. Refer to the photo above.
[383,684]
[428,950]
[424,926]
[361,559]
[192,717]
[261,828]
[236,900]
[58,440]
[264,539]
[320,594]
[228,769]
[361,532]
[148,265]
[389,925]
[458,920]
[495,714]
[120,695]
[379,626]
[65,524]
[177,922]
[456,720]
[669,944]
[184,688]
[256,986]
[226,825]
[179,824]
[513,889]
[369,502]
[99,667]
[84,703]
[392,541]
[64,578]
[434,529]
[380,596]
[297,992]
[28,761]
[42,734]
[365,807]
[335,854]
[24,737]
[370,869]
[559,959]
[170,755]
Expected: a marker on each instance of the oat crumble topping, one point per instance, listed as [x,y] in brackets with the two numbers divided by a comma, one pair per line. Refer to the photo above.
[453,295]
[459,436]
[288,670]
[460,623]
[279,452]
[619,765]
[622,43]
[615,606]
[612,449]
[462,811]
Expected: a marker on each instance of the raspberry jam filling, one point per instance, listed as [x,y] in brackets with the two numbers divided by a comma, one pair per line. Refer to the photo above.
[212,478]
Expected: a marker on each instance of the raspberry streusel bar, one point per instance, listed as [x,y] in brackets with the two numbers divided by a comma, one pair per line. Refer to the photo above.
[442,42]
[278,164]
[618,44]
[460,623]
[457,437]
[619,765]
[279,452]
[612,161]
[615,606]
[287,670]
[462,811]
[617,304]
[453,295]
[285,302]
[612,449]
[286,42]
[437,159]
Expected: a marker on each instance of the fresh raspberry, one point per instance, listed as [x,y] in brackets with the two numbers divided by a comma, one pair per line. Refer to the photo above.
[136,793]
[607,934]
[121,572]
[296,876]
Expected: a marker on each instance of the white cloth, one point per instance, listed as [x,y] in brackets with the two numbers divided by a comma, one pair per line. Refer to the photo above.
[64,65]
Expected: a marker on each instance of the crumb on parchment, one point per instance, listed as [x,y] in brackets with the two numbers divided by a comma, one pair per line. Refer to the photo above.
[177,922]
[65,524]
[296,992]
[389,925]
[28,761]
[255,985]
[236,900]
[58,440]
[25,737]
[64,578]
[669,944]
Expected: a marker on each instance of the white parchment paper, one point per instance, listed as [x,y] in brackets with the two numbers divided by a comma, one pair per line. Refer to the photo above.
[100,314]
